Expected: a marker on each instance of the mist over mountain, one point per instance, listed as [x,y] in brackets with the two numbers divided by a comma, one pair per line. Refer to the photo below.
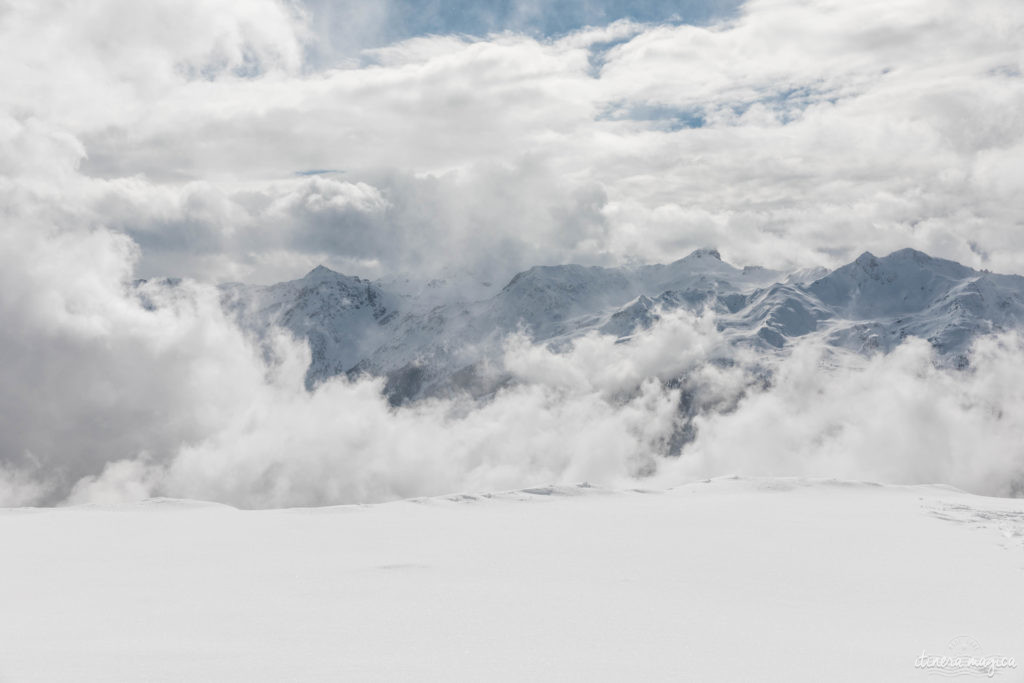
[335,388]
[610,339]
[429,346]
[444,167]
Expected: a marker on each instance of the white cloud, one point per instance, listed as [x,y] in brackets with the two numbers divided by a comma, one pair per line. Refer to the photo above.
[897,419]
[165,139]
[602,412]
[890,124]
[279,445]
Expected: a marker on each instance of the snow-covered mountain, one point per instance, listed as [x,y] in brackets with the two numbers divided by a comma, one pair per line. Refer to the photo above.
[425,344]
[344,319]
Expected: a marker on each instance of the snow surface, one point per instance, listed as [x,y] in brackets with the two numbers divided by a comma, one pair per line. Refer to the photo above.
[727,580]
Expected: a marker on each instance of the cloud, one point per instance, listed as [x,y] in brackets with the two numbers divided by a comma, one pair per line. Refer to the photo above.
[897,418]
[103,65]
[346,29]
[281,445]
[604,412]
[166,140]
[767,135]
[121,396]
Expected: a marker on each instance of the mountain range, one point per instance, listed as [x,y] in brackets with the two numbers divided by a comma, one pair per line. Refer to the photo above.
[434,341]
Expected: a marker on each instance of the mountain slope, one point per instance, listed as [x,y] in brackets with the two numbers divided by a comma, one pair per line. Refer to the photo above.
[426,346]
[343,318]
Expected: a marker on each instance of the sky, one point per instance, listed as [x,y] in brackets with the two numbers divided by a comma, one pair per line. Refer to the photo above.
[345,29]
[251,140]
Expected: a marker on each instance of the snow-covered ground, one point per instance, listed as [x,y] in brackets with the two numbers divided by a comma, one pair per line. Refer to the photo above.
[728,580]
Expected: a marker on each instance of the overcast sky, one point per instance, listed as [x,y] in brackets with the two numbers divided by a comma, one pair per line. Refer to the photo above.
[251,140]
[254,139]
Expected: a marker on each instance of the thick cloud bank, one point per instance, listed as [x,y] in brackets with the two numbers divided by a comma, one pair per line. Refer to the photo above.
[202,139]
[123,401]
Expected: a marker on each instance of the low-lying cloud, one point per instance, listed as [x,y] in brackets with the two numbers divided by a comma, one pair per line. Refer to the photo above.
[895,418]
[227,141]
[128,397]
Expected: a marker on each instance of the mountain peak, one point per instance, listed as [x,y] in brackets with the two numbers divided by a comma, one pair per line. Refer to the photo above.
[706,252]
[904,256]
[909,253]
[905,261]
[866,259]
[321,272]
[427,343]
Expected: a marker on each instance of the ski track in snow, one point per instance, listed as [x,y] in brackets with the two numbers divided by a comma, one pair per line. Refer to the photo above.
[1005,522]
